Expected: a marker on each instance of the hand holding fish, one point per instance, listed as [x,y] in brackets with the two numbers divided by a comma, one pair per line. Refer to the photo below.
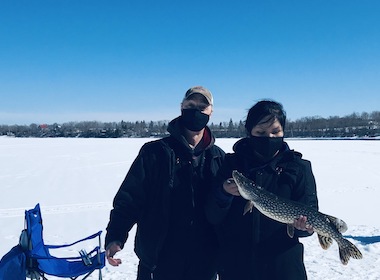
[301,224]
[295,214]
[230,187]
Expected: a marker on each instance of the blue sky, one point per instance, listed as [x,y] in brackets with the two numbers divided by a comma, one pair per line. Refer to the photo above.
[77,60]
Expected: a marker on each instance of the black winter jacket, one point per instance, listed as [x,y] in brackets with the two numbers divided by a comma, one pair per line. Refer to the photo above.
[145,196]
[254,241]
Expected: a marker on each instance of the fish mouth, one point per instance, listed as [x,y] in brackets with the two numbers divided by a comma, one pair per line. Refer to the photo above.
[240,180]
[245,187]
[238,177]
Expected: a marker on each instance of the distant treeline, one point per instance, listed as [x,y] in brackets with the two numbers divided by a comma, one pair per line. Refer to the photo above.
[354,125]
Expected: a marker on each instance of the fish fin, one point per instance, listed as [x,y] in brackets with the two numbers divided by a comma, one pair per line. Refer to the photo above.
[347,250]
[325,241]
[248,207]
[339,224]
[290,230]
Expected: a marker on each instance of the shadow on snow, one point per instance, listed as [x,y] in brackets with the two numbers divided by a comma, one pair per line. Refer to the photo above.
[365,240]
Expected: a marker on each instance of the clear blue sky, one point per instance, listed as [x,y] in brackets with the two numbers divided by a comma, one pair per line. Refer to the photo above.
[78,60]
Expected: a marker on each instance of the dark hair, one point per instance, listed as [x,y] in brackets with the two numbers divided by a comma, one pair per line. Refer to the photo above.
[262,109]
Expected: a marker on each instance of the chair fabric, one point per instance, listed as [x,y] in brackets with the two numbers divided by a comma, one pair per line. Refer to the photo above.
[40,259]
[13,264]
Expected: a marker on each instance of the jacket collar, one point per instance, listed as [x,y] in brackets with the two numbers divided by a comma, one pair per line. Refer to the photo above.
[242,149]
[175,129]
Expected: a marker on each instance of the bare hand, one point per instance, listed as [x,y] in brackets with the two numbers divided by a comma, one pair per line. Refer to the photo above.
[230,187]
[111,250]
[301,224]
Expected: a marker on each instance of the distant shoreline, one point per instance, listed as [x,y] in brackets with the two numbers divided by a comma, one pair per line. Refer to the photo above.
[375,138]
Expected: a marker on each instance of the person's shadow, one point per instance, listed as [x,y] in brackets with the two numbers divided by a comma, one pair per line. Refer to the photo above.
[365,240]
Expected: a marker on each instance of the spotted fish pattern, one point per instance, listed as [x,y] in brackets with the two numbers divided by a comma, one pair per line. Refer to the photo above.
[286,211]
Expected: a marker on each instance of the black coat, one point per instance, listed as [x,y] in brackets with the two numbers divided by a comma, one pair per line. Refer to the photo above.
[254,245]
[149,193]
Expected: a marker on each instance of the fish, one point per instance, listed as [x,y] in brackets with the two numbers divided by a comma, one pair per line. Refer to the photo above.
[328,228]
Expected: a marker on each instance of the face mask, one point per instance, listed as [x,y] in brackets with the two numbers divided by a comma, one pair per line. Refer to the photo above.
[266,147]
[194,119]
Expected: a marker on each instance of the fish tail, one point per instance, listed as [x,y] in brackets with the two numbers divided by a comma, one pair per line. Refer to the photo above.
[347,250]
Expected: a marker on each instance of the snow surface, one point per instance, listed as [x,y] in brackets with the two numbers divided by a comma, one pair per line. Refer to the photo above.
[75,180]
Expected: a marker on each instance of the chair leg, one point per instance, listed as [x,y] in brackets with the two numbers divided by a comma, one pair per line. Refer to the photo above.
[43,276]
[88,274]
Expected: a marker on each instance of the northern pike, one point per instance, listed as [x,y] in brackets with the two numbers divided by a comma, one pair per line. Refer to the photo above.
[286,211]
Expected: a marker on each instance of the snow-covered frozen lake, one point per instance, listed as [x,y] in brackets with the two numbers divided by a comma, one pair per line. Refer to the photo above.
[75,180]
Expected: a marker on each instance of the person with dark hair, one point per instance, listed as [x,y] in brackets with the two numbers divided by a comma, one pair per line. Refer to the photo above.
[164,193]
[254,247]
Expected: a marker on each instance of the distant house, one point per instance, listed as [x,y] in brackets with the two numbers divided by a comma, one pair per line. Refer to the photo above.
[43,126]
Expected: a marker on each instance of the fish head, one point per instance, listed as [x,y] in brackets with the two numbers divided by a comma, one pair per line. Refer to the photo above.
[247,188]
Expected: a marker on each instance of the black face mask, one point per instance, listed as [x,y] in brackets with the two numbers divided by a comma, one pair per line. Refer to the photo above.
[265,147]
[194,119]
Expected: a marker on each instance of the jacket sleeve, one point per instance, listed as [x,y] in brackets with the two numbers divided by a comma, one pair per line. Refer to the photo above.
[306,190]
[128,202]
[219,202]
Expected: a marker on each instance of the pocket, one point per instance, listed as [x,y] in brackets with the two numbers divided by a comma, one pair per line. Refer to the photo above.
[143,273]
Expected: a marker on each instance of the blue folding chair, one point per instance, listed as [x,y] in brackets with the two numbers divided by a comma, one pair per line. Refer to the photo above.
[39,261]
